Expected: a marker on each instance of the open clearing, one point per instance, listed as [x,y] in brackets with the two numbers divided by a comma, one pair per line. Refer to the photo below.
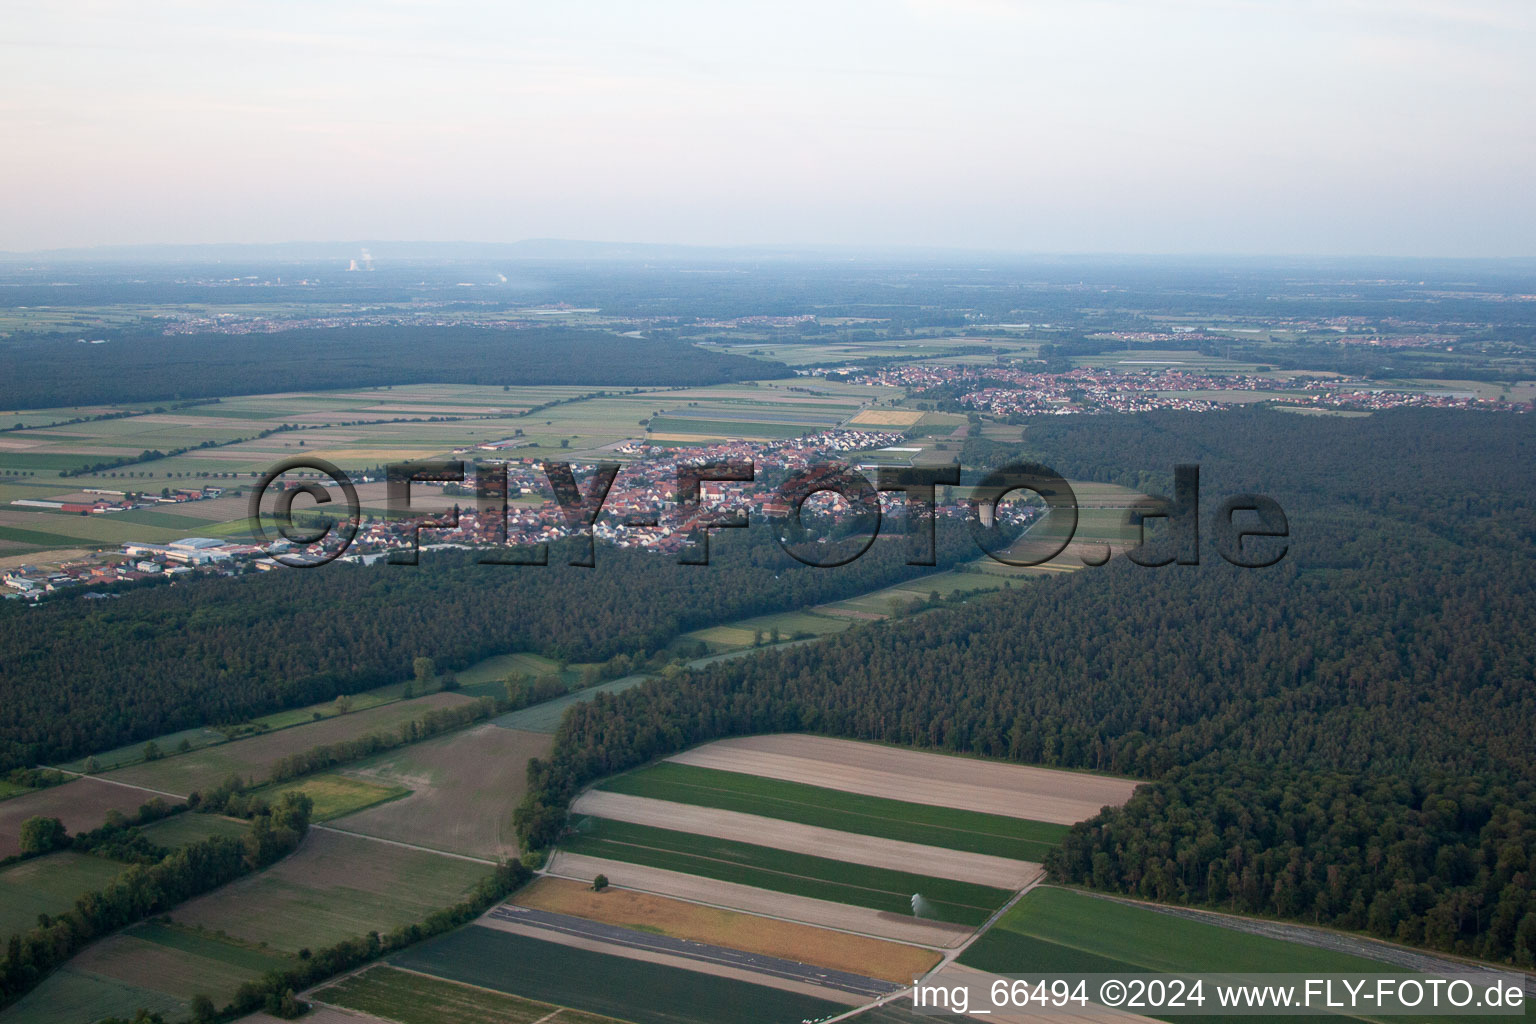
[902,928]
[81,805]
[183,829]
[795,873]
[873,958]
[412,998]
[630,989]
[335,795]
[992,787]
[811,840]
[464,789]
[254,757]
[1015,838]
[49,885]
[332,888]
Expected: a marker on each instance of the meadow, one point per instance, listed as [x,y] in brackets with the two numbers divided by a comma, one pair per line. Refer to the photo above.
[185,829]
[926,824]
[49,885]
[632,990]
[783,871]
[333,887]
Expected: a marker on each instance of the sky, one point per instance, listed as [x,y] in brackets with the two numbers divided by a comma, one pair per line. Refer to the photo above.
[1328,127]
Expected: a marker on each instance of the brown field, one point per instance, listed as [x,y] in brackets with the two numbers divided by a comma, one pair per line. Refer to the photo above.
[81,805]
[1019,791]
[253,758]
[751,900]
[983,869]
[873,958]
[465,788]
[333,887]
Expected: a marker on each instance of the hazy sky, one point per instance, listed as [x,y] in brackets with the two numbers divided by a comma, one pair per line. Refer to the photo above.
[1338,126]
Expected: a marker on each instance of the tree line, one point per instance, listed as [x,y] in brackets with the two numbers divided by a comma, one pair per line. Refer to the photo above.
[220,651]
[57,372]
[144,890]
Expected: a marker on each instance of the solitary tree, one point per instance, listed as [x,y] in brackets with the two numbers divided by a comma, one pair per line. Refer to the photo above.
[151,751]
[599,883]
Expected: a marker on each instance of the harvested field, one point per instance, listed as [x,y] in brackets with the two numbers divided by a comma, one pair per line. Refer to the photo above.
[254,757]
[332,888]
[886,418]
[411,998]
[1018,791]
[980,868]
[953,829]
[646,993]
[751,900]
[873,958]
[604,945]
[464,789]
[81,805]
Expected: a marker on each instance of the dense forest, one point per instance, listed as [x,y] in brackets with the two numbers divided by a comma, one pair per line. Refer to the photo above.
[1343,738]
[79,676]
[52,372]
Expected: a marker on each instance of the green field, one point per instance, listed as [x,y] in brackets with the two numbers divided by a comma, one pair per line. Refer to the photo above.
[417,999]
[1053,929]
[847,812]
[782,871]
[615,986]
[49,885]
[72,996]
[335,795]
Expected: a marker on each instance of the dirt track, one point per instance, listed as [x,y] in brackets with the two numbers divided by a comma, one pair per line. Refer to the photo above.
[1018,791]
[751,900]
[810,839]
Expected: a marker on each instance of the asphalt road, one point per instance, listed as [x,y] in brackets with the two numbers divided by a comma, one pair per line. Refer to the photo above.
[769,965]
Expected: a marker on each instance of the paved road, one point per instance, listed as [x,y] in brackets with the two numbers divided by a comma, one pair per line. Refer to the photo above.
[760,963]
